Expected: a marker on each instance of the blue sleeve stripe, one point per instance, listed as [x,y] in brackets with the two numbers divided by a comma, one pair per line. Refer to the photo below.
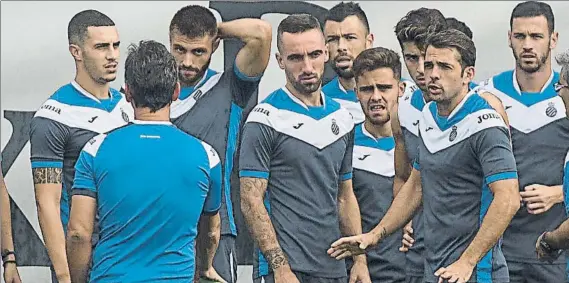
[254,174]
[346,176]
[84,192]
[47,164]
[416,166]
[501,176]
[244,77]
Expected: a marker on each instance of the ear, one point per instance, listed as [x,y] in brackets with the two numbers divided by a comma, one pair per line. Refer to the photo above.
[326,55]
[369,40]
[127,94]
[510,38]
[280,60]
[215,44]
[469,74]
[176,93]
[553,40]
[401,88]
[76,52]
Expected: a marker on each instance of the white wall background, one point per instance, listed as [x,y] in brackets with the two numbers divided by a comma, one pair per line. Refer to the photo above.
[36,61]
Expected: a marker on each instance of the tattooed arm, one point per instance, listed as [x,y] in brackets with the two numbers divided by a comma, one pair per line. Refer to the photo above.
[259,223]
[47,185]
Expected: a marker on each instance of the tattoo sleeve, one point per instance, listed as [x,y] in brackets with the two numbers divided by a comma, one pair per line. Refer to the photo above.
[259,222]
[47,175]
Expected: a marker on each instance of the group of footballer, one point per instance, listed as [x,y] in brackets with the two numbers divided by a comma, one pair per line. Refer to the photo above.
[368,178]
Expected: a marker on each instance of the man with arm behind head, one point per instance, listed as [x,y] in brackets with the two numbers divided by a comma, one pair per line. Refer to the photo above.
[211,103]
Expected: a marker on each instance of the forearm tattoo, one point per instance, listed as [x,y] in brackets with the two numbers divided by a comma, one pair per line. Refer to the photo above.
[276,258]
[47,175]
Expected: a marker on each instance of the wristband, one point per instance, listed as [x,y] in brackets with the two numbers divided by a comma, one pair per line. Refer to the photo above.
[8,261]
[7,253]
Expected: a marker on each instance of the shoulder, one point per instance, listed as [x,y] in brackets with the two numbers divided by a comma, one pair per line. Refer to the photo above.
[497,79]
[212,155]
[93,145]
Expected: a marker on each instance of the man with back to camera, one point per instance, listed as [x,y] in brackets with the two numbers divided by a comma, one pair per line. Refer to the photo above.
[211,103]
[295,168]
[149,204]
[74,114]
[464,173]
[347,34]
[411,32]
[550,244]
[378,85]
[539,143]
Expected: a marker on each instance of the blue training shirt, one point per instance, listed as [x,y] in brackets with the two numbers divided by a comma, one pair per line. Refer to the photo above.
[150,194]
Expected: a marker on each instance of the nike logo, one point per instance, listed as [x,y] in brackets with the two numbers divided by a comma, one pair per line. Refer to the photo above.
[507,107]
[416,123]
[298,126]
[428,129]
[93,119]
[364,157]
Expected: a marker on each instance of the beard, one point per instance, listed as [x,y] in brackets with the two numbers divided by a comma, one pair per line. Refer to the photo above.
[541,60]
[99,76]
[305,88]
[344,73]
[185,81]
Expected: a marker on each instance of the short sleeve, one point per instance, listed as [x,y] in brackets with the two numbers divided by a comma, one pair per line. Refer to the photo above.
[243,87]
[256,150]
[213,199]
[346,168]
[494,152]
[85,181]
[47,143]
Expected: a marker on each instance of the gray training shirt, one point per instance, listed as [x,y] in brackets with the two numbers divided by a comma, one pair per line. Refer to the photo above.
[212,112]
[410,106]
[540,139]
[459,156]
[304,152]
[64,124]
[374,171]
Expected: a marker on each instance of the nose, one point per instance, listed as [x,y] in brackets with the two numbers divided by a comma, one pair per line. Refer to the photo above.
[187,61]
[421,65]
[342,45]
[307,66]
[376,95]
[113,53]
[434,74]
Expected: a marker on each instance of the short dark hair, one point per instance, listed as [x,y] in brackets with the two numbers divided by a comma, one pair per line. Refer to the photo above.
[453,23]
[194,21]
[343,10]
[452,38]
[151,74]
[296,23]
[416,25]
[532,9]
[78,25]
[378,57]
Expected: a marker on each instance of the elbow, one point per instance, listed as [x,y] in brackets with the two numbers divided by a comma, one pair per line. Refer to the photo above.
[76,235]
[264,31]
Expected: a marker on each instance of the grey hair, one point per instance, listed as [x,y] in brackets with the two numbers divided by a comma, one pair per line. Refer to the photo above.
[563,61]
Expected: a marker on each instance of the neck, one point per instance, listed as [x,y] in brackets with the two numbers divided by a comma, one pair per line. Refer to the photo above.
[348,84]
[312,99]
[100,91]
[378,131]
[533,82]
[144,114]
[446,107]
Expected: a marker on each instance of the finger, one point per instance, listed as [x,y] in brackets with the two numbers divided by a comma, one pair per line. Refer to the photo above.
[344,255]
[338,252]
[531,187]
[440,280]
[343,241]
[408,238]
[453,278]
[537,211]
[535,205]
[531,193]
[533,199]
[403,249]
[440,271]
[409,229]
